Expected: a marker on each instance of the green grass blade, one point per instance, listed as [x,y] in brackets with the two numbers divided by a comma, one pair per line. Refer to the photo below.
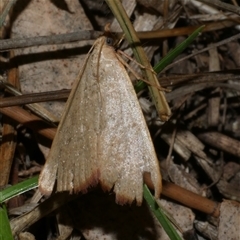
[159,214]
[5,229]
[175,52]
[19,188]
[171,56]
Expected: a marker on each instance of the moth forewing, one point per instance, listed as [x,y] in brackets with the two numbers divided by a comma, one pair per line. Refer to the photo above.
[102,137]
[61,153]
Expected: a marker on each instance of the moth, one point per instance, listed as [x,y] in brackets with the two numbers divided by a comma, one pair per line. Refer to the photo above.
[102,137]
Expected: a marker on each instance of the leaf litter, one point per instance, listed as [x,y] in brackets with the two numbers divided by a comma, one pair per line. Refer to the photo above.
[207,110]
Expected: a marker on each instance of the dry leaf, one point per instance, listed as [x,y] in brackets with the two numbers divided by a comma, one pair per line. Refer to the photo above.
[53,67]
[229,221]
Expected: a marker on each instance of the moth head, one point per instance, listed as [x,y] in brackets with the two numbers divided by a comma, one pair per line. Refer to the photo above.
[112,39]
[109,41]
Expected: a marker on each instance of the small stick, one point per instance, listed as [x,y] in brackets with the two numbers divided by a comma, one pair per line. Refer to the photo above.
[48,40]
[187,198]
[17,43]
[34,107]
[46,207]
[34,98]
[222,5]
[32,121]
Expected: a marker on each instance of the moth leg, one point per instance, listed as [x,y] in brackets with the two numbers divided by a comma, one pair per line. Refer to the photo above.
[137,76]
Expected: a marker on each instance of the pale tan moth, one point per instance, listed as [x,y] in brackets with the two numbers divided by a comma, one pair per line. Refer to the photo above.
[102,137]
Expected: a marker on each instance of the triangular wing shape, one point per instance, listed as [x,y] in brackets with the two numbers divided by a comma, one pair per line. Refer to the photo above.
[102,136]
